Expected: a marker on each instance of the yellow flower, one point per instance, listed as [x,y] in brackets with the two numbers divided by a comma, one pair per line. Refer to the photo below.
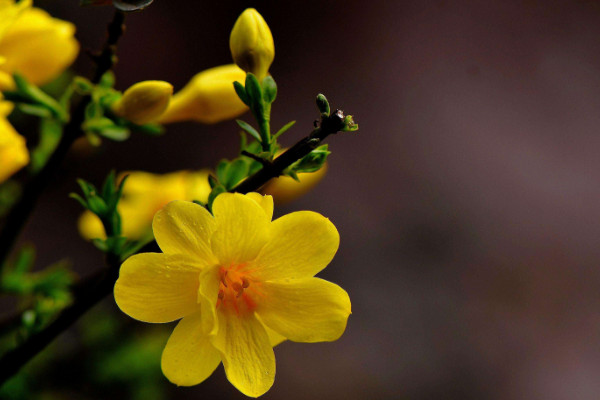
[242,284]
[144,102]
[144,194]
[13,152]
[208,98]
[33,43]
[251,43]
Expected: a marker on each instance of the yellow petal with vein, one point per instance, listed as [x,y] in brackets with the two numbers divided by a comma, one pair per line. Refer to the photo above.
[189,357]
[156,287]
[305,310]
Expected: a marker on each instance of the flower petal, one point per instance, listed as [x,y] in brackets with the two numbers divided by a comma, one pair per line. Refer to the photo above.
[183,227]
[242,228]
[302,244]
[305,310]
[246,352]
[266,202]
[189,357]
[274,337]
[155,287]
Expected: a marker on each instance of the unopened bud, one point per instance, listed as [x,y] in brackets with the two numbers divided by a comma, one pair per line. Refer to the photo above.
[208,98]
[144,102]
[251,43]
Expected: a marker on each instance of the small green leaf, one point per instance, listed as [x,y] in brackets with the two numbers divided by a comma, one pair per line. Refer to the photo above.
[79,199]
[269,89]
[109,185]
[311,162]
[108,80]
[284,129]
[212,181]
[221,170]
[235,172]
[50,134]
[249,129]
[100,245]
[35,110]
[115,132]
[97,205]
[241,92]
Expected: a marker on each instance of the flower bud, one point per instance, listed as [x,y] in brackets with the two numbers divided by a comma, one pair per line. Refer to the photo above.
[251,43]
[208,98]
[144,102]
[13,152]
[285,189]
[34,44]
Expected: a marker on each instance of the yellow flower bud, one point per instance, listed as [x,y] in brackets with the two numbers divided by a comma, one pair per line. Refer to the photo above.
[285,189]
[208,98]
[144,102]
[33,43]
[251,43]
[143,195]
[13,152]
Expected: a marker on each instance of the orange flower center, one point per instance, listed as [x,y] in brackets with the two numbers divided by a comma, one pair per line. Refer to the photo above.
[237,290]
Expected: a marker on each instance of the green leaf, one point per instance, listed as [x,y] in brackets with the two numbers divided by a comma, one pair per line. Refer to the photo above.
[212,181]
[284,129]
[51,131]
[241,92]
[149,129]
[100,245]
[79,199]
[35,110]
[108,80]
[38,97]
[109,185]
[269,89]
[87,188]
[221,170]
[97,205]
[115,132]
[236,171]
[311,162]
[249,129]
[254,92]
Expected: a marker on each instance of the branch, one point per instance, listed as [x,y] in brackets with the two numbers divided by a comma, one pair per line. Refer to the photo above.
[102,283]
[32,191]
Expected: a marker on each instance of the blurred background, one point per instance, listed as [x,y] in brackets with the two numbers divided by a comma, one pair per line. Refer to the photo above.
[467,204]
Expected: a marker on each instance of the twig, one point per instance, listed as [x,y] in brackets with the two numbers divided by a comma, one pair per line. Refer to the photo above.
[13,360]
[19,214]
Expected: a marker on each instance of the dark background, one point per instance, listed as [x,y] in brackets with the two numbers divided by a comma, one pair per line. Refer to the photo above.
[467,204]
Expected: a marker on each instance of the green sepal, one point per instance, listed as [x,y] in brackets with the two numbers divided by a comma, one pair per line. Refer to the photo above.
[241,92]
[107,80]
[212,181]
[269,89]
[254,92]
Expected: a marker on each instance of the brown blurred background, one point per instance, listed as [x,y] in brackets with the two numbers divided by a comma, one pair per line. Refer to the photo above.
[467,203]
